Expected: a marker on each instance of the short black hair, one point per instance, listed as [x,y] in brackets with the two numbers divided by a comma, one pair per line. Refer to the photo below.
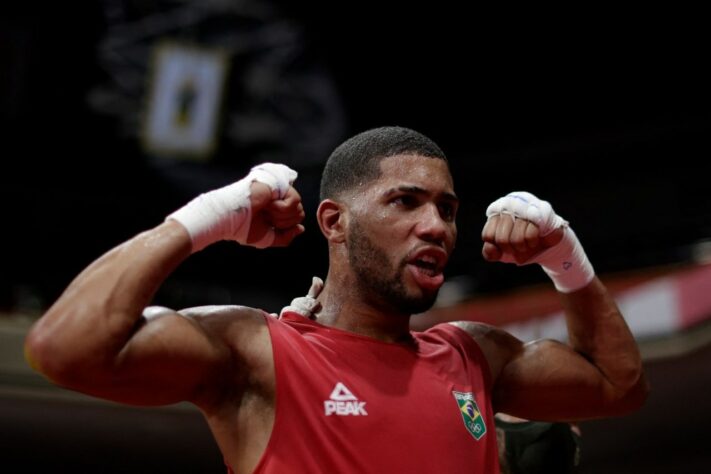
[357,160]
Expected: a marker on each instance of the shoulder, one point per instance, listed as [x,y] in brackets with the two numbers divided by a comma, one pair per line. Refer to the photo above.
[484,333]
[212,314]
[225,314]
[497,345]
[238,327]
[472,328]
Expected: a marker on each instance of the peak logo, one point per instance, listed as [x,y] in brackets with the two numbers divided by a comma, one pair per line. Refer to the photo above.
[342,402]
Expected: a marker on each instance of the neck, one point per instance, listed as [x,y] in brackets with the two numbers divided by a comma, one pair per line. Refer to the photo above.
[343,307]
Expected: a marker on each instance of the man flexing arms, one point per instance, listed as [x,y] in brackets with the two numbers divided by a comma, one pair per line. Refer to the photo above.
[352,390]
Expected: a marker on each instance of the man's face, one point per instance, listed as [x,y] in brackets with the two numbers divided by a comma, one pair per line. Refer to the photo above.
[401,233]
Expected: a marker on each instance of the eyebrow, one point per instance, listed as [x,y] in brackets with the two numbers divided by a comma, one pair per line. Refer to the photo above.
[418,190]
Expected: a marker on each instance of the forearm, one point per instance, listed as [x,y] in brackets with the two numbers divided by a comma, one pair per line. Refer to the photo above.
[598,331]
[97,314]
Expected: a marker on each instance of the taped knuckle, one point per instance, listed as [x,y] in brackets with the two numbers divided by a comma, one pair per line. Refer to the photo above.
[495,207]
[277,176]
[533,214]
[518,207]
[524,196]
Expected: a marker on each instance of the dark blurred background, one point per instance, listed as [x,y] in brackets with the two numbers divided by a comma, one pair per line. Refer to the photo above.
[602,111]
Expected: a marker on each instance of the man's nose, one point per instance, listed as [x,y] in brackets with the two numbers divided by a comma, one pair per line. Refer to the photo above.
[431,227]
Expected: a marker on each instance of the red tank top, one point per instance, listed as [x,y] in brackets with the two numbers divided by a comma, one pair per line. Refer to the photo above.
[346,403]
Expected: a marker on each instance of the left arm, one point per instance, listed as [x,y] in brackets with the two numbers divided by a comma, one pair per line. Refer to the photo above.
[599,373]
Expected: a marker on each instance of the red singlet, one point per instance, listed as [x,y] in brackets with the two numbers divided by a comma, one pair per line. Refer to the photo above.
[346,403]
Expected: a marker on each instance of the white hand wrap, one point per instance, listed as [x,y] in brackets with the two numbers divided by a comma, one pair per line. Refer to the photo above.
[226,213]
[307,305]
[565,263]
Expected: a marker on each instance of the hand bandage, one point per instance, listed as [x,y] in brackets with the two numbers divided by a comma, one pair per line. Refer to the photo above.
[307,305]
[226,213]
[565,263]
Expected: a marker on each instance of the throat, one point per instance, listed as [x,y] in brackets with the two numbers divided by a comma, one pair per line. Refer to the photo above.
[347,306]
[366,321]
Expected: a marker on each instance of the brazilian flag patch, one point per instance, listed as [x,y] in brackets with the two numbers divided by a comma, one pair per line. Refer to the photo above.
[471,415]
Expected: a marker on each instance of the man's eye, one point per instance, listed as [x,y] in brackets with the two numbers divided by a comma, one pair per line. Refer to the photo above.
[447,211]
[407,201]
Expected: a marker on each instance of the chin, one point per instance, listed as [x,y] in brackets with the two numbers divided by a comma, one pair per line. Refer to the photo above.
[419,304]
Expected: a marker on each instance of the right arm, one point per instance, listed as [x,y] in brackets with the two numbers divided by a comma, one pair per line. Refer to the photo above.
[96,339]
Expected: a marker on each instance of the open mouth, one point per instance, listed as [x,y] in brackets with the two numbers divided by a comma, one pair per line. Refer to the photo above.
[427,266]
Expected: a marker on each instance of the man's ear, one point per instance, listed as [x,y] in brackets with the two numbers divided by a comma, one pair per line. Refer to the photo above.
[332,218]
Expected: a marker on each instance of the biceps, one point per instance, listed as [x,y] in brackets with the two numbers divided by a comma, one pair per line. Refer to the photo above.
[547,380]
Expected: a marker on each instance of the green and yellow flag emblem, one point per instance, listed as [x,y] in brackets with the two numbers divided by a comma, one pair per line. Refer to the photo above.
[471,415]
